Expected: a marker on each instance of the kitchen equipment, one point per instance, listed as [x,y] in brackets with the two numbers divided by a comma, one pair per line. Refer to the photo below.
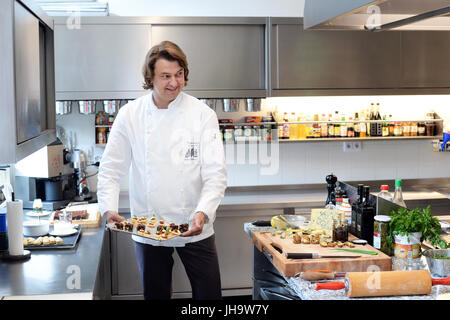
[313,275]
[79,163]
[43,175]
[86,106]
[438,267]
[314,255]
[35,228]
[288,221]
[376,15]
[210,103]
[385,283]
[253,105]
[446,139]
[275,248]
[63,107]
[110,106]
[231,105]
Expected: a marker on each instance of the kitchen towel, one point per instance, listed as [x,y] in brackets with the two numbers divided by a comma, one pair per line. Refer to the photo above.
[14,219]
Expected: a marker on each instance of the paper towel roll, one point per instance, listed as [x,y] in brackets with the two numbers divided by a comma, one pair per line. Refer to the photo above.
[14,219]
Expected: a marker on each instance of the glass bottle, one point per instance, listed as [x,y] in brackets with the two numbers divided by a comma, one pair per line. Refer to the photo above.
[330,126]
[379,125]
[357,126]
[385,128]
[343,127]
[398,195]
[391,126]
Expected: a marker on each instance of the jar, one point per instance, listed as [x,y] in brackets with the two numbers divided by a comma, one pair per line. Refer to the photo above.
[101,135]
[100,119]
[228,134]
[406,129]
[398,129]
[248,131]
[380,233]
[413,129]
[431,128]
[266,133]
[238,132]
[421,129]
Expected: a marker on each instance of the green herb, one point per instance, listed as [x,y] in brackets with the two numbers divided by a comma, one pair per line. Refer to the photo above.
[440,257]
[404,221]
[373,253]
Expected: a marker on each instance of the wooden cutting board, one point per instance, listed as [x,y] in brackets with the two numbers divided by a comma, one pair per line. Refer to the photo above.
[94,219]
[290,267]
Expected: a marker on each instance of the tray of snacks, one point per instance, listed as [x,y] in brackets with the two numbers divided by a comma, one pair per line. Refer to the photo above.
[151,228]
[53,240]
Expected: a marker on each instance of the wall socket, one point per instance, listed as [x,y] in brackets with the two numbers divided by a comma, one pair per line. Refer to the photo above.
[352,146]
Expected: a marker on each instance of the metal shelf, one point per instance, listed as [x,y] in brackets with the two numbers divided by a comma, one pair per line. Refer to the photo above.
[360,139]
[313,122]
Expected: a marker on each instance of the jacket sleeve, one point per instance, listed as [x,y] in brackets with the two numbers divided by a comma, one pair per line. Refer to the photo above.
[213,169]
[115,164]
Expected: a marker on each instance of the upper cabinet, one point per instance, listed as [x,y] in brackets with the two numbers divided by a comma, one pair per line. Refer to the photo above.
[426,59]
[100,60]
[226,57]
[104,57]
[322,60]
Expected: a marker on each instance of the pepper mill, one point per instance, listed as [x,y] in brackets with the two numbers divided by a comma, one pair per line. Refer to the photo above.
[331,186]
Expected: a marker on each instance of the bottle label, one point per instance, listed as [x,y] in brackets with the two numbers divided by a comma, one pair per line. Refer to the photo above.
[377,240]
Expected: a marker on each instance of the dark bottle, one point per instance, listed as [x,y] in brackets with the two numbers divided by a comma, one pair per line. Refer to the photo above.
[373,126]
[379,124]
[365,217]
[355,207]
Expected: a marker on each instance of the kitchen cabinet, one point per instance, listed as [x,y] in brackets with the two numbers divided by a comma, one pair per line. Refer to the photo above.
[26,81]
[425,56]
[225,59]
[103,58]
[303,61]
[97,61]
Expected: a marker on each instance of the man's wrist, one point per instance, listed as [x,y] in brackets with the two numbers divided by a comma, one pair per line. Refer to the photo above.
[205,217]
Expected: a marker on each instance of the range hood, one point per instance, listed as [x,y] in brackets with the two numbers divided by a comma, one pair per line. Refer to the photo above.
[430,15]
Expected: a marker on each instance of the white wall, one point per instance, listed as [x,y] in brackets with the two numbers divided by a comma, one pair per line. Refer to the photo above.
[214,8]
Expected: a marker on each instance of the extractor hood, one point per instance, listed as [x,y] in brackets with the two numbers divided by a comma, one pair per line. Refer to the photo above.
[378,15]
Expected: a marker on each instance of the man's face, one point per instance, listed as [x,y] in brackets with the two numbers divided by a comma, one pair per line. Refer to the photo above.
[168,81]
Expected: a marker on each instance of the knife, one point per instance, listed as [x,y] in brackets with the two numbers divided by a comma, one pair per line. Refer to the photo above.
[312,255]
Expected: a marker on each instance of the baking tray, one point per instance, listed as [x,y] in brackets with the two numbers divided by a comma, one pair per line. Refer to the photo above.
[69,242]
[175,241]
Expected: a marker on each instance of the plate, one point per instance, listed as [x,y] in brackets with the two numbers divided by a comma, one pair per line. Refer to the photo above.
[38,214]
[68,232]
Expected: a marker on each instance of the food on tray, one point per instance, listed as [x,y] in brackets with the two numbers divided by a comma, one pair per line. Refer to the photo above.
[42,241]
[297,239]
[323,244]
[151,228]
[76,214]
[331,244]
[306,239]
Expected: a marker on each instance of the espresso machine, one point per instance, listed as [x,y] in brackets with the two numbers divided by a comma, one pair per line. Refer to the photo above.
[46,174]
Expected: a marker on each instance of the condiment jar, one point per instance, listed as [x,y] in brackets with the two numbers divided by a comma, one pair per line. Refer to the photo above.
[380,233]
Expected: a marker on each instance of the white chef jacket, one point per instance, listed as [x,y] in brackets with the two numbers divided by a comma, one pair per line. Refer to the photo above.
[175,160]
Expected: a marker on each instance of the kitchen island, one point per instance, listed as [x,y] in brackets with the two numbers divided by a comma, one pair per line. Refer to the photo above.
[270,283]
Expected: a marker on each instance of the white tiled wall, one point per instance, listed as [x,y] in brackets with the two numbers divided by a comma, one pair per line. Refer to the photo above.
[303,163]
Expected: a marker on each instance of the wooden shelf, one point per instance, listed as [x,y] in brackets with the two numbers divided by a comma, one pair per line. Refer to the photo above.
[361,139]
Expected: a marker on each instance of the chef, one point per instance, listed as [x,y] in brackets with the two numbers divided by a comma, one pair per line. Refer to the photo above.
[170,144]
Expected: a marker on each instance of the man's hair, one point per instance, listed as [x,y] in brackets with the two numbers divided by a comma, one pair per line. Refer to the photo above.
[165,50]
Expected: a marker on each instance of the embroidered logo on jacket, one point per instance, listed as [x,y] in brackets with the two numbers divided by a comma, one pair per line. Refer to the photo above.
[192,151]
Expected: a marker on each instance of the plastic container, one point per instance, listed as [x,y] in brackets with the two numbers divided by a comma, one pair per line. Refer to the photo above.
[384,193]
[3,233]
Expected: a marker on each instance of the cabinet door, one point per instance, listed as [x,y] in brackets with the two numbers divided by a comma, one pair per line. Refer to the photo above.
[220,57]
[425,59]
[334,59]
[101,57]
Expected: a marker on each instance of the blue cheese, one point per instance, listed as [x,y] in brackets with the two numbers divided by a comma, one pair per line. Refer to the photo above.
[322,220]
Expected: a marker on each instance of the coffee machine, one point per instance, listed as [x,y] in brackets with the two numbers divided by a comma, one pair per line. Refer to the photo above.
[46,174]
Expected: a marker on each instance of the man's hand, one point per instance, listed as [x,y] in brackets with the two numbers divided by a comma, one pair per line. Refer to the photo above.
[112,216]
[197,225]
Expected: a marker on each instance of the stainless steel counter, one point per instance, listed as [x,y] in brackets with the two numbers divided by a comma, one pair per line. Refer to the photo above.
[48,272]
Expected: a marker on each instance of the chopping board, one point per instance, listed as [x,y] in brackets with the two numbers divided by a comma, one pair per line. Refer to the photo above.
[94,219]
[290,267]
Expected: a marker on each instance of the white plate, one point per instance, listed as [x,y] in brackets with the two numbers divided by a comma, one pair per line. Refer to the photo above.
[38,214]
[63,234]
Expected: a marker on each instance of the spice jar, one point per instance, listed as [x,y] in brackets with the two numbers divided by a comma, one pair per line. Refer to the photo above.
[380,233]
[340,230]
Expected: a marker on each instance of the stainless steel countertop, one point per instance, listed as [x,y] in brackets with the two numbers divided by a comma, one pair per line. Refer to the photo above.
[55,271]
